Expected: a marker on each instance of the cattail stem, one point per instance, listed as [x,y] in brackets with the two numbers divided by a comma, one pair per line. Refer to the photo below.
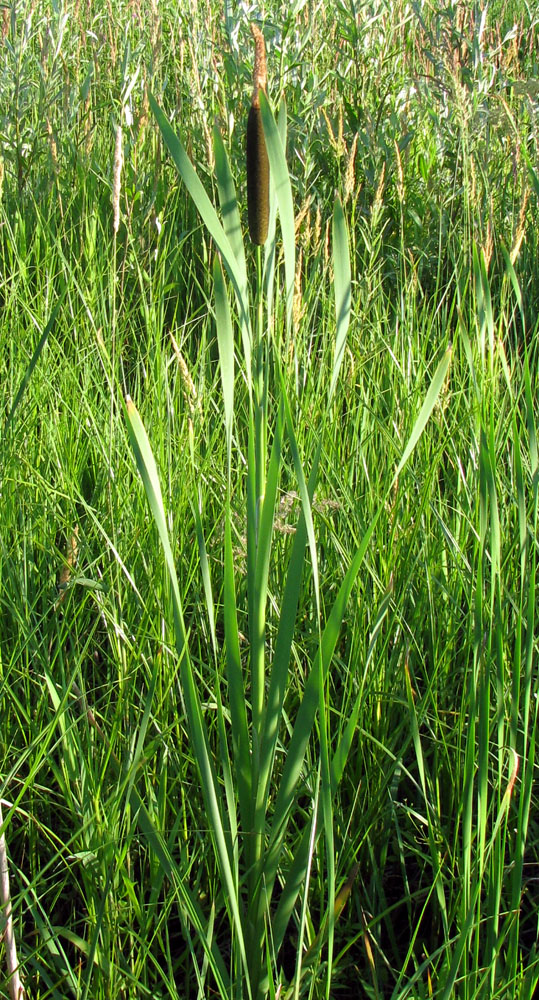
[260,382]
[258,212]
[261,386]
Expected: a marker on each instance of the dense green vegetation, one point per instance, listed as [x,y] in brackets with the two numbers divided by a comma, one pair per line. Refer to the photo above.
[268,525]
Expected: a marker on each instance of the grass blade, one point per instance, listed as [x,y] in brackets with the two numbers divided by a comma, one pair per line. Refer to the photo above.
[311,696]
[229,203]
[211,220]
[426,410]
[208,779]
[283,190]
[343,289]
[225,341]
[33,362]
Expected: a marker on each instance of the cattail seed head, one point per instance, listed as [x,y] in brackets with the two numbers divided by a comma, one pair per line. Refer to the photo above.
[257,178]
[257,156]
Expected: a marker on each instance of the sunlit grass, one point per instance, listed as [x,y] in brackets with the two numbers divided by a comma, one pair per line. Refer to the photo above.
[273,732]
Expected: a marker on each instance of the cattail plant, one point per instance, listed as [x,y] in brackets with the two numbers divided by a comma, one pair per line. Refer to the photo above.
[258,202]
[250,783]
[257,156]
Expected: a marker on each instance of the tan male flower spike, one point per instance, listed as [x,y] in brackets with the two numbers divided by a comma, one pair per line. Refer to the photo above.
[260,75]
[257,156]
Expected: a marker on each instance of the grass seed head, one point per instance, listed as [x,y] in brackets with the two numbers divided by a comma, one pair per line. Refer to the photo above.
[190,395]
[350,175]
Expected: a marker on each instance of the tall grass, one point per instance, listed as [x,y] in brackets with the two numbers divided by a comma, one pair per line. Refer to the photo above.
[268,608]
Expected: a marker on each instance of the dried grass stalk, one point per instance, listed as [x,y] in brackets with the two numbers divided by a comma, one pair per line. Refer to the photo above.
[16,989]
[350,175]
[117,182]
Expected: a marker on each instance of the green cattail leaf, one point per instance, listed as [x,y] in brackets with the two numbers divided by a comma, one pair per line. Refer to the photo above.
[229,202]
[318,673]
[283,647]
[304,494]
[229,784]
[280,180]
[307,710]
[269,260]
[257,178]
[305,718]
[148,472]
[225,341]
[280,669]
[236,685]
[257,619]
[232,228]
[343,288]
[196,189]
[205,571]
[211,220]
[222,842]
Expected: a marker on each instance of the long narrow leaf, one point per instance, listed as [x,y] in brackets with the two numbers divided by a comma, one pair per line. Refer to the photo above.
[208,779]
[33,361]
[257,625]
[211,220]
[343,289]
[310,701]
[225,341]
[425,411]
[271,242]
[236,685]
[159,848]
[150,478]
[283,190]
[229,203]
[283,647]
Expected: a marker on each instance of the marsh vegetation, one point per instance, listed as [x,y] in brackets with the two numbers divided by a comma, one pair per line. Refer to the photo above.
[268,529]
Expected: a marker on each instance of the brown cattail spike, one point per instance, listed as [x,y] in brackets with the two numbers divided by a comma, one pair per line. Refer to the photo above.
[257,156]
